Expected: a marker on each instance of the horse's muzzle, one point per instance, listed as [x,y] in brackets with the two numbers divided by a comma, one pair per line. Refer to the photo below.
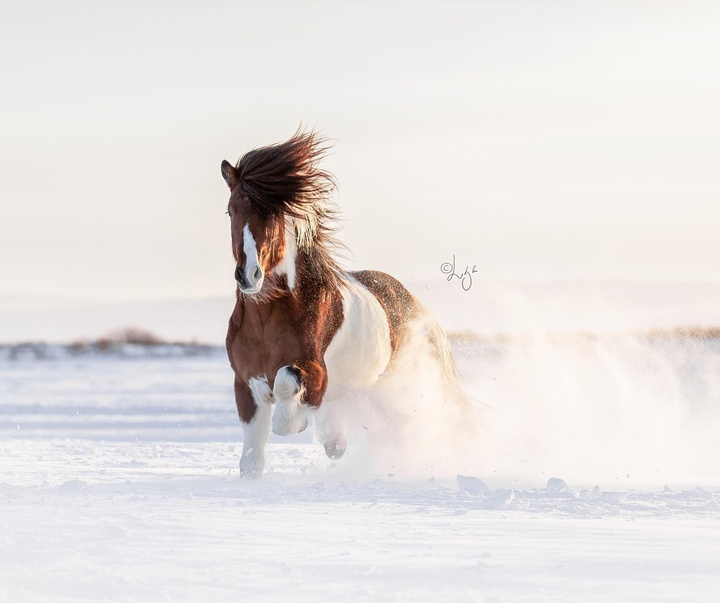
[251,284]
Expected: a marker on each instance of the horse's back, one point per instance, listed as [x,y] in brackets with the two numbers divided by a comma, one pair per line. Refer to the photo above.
[399,304]
[410,323]
[377,311]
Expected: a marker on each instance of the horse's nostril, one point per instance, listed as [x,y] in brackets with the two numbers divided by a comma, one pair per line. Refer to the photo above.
[238,275]
[257,274]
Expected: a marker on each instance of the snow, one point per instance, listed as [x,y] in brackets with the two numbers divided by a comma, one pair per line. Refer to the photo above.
[595,479]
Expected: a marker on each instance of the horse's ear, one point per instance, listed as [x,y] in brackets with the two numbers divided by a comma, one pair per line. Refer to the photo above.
[229,173]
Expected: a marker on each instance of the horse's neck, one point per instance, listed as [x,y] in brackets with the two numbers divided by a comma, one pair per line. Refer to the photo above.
[258,321]
[312,272]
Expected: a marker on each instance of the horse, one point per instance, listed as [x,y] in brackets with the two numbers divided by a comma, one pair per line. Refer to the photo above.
[303,329]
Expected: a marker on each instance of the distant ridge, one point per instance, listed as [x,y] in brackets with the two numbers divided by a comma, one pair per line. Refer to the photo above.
[202,320]
[488,308]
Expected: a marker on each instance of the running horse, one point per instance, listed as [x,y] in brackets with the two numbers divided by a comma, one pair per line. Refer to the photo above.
[303,330]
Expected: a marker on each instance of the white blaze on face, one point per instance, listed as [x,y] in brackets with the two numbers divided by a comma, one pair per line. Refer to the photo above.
[252,262]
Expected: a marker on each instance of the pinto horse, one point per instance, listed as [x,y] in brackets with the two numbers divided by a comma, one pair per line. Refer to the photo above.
[304,331]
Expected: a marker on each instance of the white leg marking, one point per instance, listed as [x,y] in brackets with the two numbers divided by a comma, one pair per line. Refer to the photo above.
[256,432]
[291,415]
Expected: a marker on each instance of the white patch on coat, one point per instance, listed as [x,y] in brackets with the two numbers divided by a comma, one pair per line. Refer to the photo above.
[361,349]
[291,415]
[287,265]
[256,432]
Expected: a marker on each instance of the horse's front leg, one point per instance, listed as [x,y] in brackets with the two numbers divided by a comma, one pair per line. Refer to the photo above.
[298,391]
[254,402]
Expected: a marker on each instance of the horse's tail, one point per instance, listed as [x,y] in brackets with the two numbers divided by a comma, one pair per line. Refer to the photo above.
[440,347]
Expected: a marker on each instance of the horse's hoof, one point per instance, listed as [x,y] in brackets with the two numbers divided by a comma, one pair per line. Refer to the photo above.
[251,471]
[336,448]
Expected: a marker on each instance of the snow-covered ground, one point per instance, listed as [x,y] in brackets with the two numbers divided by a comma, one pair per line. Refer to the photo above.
[594,478]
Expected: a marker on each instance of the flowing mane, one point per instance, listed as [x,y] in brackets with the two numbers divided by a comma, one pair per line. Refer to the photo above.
[285,179]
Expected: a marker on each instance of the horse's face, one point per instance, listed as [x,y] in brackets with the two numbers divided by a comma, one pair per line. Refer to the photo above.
[258,241]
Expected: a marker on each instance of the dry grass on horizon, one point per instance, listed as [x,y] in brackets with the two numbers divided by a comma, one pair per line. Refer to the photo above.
[654,335]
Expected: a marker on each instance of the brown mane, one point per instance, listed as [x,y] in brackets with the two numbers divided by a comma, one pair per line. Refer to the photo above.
[285,179]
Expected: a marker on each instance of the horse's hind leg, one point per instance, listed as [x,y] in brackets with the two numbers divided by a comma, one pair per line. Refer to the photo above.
[336,447]
[330,432]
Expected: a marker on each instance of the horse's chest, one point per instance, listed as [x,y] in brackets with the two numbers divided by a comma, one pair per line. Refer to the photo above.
[261,349]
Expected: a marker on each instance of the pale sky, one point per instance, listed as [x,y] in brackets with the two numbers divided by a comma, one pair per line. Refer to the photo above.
[536,140]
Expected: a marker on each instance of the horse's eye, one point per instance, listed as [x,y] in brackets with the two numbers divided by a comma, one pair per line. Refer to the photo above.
[228,213]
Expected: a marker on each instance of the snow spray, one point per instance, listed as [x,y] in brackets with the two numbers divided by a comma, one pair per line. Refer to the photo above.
[617,410]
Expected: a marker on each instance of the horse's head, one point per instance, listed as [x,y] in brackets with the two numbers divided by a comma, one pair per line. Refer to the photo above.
[258,237]
[280,206]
